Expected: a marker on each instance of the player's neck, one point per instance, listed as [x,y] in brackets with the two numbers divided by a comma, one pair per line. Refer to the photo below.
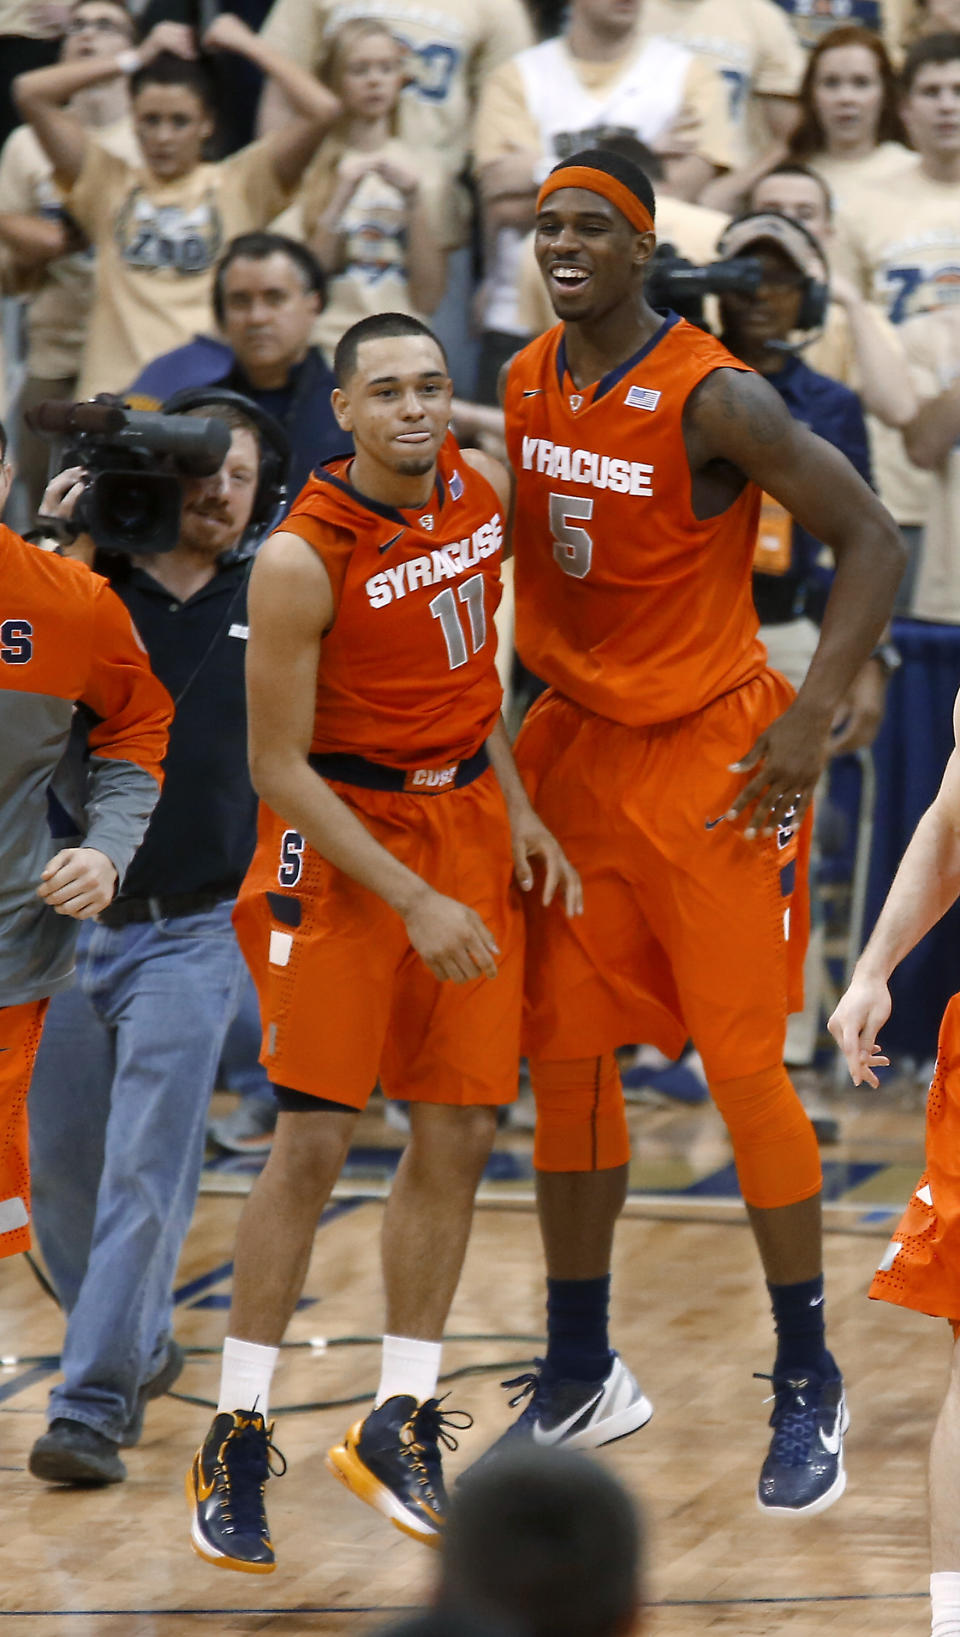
[388,488]
[861,147]
[367,135]
[941,167]
[596,346]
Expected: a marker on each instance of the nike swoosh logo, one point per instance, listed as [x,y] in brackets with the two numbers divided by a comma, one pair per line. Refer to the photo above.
[532,392]
[831,1442]
[205,1490]
[711,824]
[816,1301]
[553,1435]
[392,542]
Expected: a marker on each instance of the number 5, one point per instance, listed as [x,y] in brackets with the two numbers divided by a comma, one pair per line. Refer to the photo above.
[572,547]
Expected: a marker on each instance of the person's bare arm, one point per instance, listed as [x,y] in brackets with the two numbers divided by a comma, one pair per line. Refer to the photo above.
[34,240]
[884,385]
[924,887]
[290,607]
[426,260]
[41,94]
[313,107]
[731,190]
[935,428]
[688,175]
[739,419]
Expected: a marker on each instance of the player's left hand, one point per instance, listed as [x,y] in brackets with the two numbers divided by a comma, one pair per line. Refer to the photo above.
[531,839]
[789,758]
[79,881]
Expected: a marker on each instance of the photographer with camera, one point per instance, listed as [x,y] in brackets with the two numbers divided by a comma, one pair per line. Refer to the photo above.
[120,1095]
[65,643]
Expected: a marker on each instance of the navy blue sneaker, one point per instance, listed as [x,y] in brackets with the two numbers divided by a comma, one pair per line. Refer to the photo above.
[580,1414]
[804,1470]
[225,1487]
[392,1461]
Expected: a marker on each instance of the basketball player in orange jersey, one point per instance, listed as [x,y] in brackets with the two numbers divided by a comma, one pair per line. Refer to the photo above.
[640,448]
[378,916]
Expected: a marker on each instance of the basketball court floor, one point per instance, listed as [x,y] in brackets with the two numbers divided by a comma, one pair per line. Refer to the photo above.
[690,1317]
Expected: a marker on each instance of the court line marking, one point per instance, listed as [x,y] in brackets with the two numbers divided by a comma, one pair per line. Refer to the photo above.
[412,1608]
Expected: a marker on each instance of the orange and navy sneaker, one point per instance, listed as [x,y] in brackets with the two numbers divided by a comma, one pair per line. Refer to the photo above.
[225,1487]
[392,1461]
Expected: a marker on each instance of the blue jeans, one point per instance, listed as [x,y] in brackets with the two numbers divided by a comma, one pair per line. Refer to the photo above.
[118,1107]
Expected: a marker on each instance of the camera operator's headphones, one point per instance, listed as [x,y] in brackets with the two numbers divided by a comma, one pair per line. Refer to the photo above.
[271,495]
[797,242]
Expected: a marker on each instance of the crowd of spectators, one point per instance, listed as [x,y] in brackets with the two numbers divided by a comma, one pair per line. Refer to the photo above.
[219,201]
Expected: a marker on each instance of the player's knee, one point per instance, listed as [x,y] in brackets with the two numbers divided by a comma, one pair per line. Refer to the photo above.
[452,1143]
[774,1144]
[581,1121]
[312,1136]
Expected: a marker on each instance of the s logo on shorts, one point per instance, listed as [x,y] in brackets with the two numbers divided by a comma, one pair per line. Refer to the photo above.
[291,858]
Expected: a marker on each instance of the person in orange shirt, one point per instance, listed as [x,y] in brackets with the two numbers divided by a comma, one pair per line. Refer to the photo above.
[65,638]
[378,916]
[641,448]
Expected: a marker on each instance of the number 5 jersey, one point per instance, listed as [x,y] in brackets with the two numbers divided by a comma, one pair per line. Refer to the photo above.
[627,602]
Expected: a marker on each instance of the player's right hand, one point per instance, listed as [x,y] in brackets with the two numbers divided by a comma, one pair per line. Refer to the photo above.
[855,1024]
[451,939]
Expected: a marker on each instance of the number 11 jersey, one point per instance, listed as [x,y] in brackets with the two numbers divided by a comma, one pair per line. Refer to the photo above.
[626,601]
[407,674]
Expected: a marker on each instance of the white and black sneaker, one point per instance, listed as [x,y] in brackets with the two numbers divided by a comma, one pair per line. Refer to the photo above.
[804,1470]
[580,1414]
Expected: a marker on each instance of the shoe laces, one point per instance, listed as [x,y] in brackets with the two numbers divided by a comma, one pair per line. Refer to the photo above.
[529,1384]
[794,1400]
[422,1435]
[243,1465]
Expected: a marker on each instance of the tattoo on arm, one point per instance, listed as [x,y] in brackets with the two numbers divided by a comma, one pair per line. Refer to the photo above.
[748,399]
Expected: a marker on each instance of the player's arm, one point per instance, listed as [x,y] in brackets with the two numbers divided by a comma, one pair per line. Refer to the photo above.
[924,887]
[290,606]
[740,420]
[529,837]
[127,746]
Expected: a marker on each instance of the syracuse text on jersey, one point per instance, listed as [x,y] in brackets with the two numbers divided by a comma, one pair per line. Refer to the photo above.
[558,460]
[445,563]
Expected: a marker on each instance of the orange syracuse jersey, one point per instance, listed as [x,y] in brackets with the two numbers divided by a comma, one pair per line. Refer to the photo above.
[407,674]
[626,602]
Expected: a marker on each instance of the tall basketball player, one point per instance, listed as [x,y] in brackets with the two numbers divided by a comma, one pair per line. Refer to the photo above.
[378,916]
[641,448]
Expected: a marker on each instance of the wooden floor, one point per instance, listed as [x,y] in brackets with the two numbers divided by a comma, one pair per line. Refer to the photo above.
[690,1317]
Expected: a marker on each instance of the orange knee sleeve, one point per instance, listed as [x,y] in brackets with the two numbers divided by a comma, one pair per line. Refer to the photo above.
[774,1146]
[581,1122]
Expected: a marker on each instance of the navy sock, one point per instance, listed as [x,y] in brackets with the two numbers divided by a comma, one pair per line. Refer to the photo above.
[577,1345]
[799,1317]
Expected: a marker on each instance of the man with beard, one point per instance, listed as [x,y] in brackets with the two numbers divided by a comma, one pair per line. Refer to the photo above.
[119,1101]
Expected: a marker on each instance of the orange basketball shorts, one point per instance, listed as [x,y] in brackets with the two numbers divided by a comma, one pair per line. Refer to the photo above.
[921,1264]
[689,930]
[20,1030]
[344,998]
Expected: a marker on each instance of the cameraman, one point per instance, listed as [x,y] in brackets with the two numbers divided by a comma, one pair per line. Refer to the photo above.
[119,1099]
[66,641]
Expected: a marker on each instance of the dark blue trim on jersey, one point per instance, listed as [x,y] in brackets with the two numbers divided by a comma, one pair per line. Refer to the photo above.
[390,512]
[609,381]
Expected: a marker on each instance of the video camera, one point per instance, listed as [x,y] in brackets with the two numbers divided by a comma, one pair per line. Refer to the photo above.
[136,462]
[674,282]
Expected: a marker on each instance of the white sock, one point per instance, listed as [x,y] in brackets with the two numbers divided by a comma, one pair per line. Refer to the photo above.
[945,1605]
[246,1370]
[409,1366]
